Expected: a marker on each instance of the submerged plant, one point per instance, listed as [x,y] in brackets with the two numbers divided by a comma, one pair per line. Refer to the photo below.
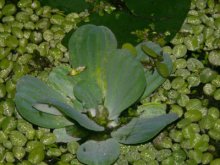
[95,99]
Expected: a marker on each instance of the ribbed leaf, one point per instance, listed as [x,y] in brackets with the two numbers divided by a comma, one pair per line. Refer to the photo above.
[88,47]
[98,153]
[140,130]
[88,93]
[116,72]
[69,111]
[153,78]
[29,91]
[125,82]
[60,76]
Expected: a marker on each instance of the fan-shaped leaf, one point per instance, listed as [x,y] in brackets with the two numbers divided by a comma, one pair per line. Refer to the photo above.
[89,46]
[29,91]
[140,130]
[98,153]
[125,82]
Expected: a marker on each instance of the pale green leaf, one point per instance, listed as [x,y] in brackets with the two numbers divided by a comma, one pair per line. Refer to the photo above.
[63,136]
[88,93]
[140,130]
[99,152]
[69,111]
[29,91]
[150,110]
[47,109]
[125,82]
[60,76]
[117,73]
[89,46]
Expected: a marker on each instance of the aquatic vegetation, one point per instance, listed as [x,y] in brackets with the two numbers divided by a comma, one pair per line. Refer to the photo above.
[194,139]
[105,85]
[141,16]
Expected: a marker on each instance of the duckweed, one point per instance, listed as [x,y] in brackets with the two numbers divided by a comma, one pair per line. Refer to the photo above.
[41,29]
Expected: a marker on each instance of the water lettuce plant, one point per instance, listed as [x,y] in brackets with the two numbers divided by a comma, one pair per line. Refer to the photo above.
[95,100]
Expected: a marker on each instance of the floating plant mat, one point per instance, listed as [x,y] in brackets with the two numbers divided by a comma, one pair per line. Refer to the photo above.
[193,139]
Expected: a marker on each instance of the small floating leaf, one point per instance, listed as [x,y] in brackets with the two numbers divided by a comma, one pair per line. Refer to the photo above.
[130,47]
[150,52]
[162,69]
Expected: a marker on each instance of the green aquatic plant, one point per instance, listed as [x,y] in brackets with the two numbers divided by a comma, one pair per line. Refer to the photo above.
[160,16]
[95,99]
